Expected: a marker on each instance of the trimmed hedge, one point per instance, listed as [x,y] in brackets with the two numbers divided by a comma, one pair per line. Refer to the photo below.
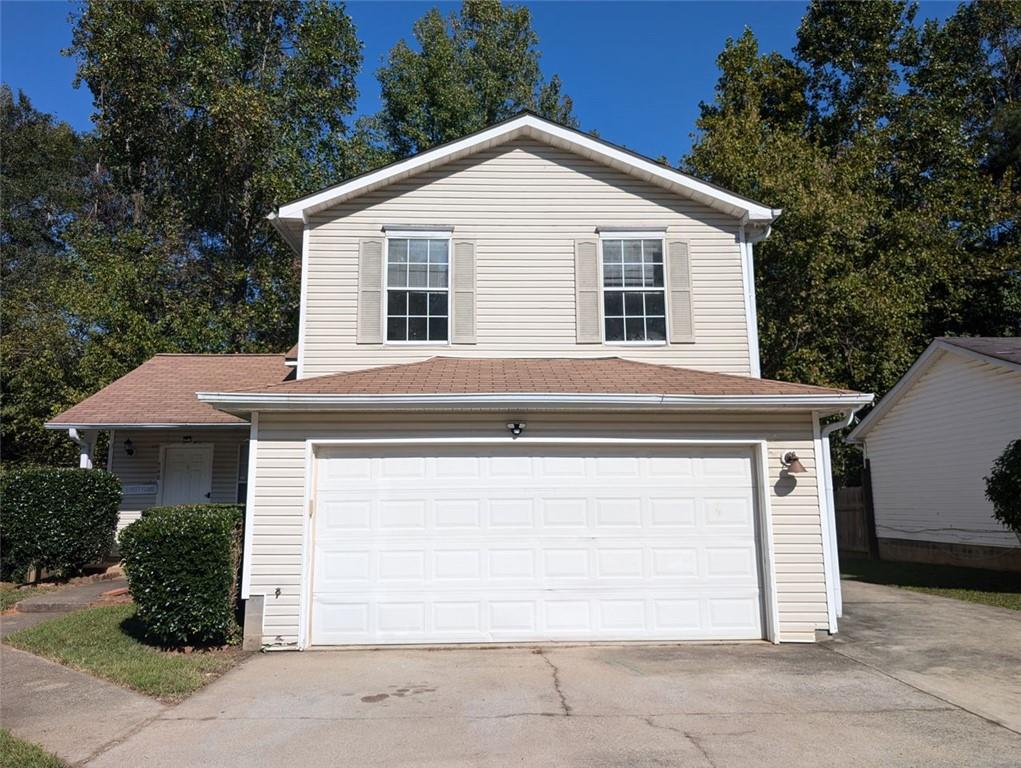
[183,565]
[56,518]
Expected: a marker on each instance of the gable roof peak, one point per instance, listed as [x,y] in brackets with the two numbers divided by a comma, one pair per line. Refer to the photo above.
[289,218]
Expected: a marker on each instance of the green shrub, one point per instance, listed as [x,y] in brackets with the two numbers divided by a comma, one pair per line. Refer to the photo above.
[182,565]
[1003,487]
[56,518]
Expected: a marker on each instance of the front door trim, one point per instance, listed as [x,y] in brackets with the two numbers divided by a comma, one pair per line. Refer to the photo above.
[207,447]
[760,467]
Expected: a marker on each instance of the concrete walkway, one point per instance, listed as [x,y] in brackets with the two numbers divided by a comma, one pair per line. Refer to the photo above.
[966,654]
[71,714]
[51,603]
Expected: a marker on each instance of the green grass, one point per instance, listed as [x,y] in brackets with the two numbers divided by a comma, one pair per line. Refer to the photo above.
[108,642]
[999,588]
[10,595]
[15,753]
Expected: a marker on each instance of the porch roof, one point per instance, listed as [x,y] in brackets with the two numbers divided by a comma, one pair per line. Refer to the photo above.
[161,392]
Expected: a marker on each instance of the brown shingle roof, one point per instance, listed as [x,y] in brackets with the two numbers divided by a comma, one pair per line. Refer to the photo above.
[162,390]
[1006,348]
[292,353]
[609,375]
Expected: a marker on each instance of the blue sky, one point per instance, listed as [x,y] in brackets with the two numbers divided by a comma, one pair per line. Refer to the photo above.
[636,70]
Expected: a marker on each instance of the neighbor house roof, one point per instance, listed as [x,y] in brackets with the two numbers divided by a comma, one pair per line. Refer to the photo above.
[1007,348]
[450,380]
[161,391]
[996,350]
[289,219]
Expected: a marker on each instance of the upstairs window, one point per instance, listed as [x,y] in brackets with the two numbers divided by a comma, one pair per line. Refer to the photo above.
[634,297]
[417,289]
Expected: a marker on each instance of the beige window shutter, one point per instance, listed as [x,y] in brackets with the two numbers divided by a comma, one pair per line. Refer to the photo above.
[370,292]
[586,292]
[463,293]
[682,325]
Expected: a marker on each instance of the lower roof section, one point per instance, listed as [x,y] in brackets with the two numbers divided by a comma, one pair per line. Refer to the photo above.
[532,384]
[161,392]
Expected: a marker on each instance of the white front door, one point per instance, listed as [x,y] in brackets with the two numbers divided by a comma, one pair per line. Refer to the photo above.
[483,544]
[187,474]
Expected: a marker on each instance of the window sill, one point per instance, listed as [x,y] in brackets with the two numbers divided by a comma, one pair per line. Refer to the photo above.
[635,343]
[416,343]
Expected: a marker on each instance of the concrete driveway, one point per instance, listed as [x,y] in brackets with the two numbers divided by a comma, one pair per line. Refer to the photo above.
[691,705]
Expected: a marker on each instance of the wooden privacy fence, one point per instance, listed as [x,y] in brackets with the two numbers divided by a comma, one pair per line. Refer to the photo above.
[852,520]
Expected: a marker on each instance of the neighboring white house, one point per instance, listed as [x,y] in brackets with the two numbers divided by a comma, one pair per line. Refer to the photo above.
[524,405]
[930,443]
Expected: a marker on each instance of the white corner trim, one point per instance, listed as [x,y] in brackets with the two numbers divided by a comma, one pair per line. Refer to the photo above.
[246,560]
[760,463]
[303,303]
[771,601]
[826,520]
[543,130]
[750,306]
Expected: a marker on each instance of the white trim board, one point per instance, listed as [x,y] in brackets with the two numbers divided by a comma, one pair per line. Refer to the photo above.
[760,461]
[242,401]
[533,127]
[129,426]
[246,559]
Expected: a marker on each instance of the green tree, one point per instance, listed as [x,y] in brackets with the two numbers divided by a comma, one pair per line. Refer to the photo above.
[465,72]
[1003,487]
[208,115]
[44,173]
[892,149]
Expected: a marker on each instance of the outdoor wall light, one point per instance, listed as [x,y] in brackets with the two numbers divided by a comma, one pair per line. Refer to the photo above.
[129,447]
[516,428]
[792,463]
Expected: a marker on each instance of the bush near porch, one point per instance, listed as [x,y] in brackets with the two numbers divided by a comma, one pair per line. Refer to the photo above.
[183,567]
[56,519]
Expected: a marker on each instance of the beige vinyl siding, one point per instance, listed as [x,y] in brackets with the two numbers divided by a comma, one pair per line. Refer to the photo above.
[143,468]
[280,515]
[931,451]
[524,204]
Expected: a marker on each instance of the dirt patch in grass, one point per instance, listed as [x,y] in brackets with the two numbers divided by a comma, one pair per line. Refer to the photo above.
[109,642]
[16,753]
[976,585]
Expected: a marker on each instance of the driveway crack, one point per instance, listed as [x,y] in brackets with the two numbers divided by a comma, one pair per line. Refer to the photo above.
[697,744]
[565,708]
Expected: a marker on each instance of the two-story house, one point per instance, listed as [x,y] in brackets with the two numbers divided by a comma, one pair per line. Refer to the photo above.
[524,405]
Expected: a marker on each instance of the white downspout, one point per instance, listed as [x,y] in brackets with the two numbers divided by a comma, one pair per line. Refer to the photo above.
[830,513]
[84,446]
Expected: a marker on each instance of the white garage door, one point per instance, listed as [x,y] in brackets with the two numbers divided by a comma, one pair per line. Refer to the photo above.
[470,544]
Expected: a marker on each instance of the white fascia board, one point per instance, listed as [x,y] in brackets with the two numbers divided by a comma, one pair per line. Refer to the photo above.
[263,401]
[153,425]
[535,127]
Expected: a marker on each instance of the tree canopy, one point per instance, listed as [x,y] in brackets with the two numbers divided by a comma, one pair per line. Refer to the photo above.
[893,146]
[466,71]
[888,146]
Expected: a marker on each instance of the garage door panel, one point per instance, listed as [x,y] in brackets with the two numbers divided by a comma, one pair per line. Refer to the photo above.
[454,547]
[521,616]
